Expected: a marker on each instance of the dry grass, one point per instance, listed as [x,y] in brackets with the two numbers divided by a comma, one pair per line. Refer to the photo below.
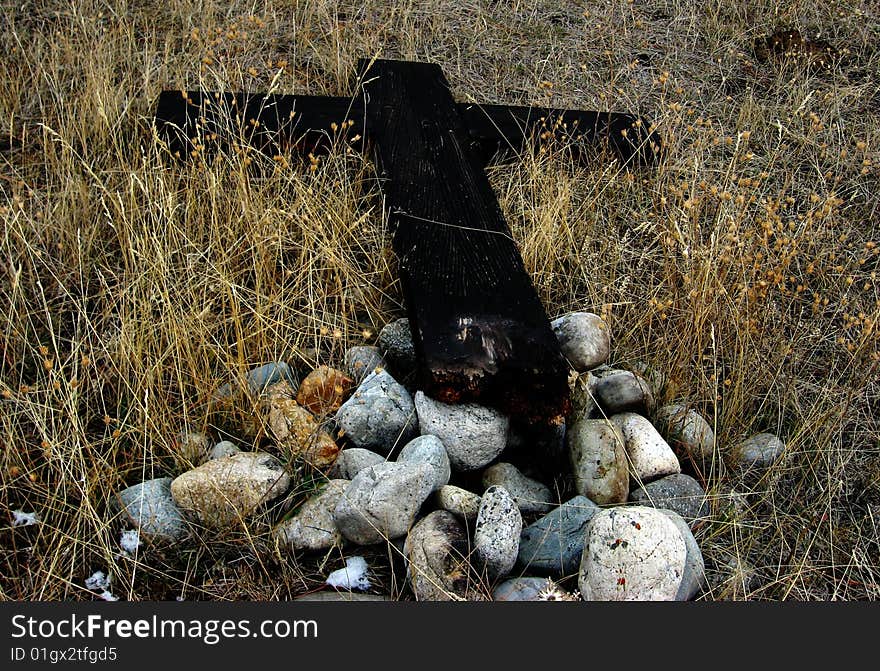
[745,268]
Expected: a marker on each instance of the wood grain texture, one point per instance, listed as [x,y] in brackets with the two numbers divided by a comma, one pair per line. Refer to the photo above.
[480,331]
[504,129]
[303,124]
[204,122]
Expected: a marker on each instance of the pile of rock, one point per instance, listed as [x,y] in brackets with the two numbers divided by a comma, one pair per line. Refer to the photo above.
[394,459]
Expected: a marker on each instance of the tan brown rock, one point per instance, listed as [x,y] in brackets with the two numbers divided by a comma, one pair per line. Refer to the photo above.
[224,491]
[298,433]
[324,390]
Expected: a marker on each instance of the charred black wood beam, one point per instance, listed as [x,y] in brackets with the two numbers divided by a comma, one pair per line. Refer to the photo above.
[480,330]
[194,122]
[500,129]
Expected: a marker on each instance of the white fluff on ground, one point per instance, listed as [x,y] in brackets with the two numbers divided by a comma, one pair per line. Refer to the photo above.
[130,540]
[23,519]
[353,576]
[98,580]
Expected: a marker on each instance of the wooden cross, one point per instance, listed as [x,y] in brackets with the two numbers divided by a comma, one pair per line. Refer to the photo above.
[480,331]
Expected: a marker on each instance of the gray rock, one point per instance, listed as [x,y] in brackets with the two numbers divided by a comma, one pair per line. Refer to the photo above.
[653,376]
[472,434]
[150,507]
[379,415]
[584,339]
[382,501]
[428,450]
[523,589]
[694,578]
[352,461]
[362,360]
[632,554]
[621,391]
[650,456]
[258,379]
[332,595]
[677,492]
[396,345]
[193,446]
[223,449]
[598,460]
[497,532]
[436,549]
[226,491]
[583,398]
[312,528]
[685,427]
[555,543]
[758,451]
[530,495]
[458,501]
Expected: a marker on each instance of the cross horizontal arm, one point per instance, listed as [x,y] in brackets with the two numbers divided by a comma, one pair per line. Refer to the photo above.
[501,128]
[192,122]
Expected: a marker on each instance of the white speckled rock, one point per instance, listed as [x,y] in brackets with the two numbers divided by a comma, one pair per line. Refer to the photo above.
[472,435]
[598,460]
[436,549]
[150,507]
[530,495]
[496,536]
[619,391]
[428,450]
[312,527]
[382,501]
[352,461]
[379,415]
[632,554]
[224,491]
[685,427]
[758,451]
[650,456]
[458,501]
[584,339]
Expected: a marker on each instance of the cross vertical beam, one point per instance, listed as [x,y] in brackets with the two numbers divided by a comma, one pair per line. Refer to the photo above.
[480,331]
